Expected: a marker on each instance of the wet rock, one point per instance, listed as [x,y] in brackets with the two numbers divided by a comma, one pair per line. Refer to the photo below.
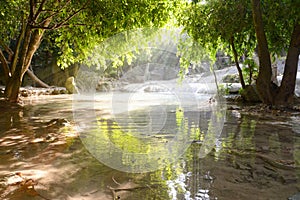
[62,91]
[24,93]
[55,92]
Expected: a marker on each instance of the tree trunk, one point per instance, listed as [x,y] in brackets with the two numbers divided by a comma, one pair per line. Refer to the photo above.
[30,44]
[12,87]
[263,83]
[36,79]
[287,87]
[237,63]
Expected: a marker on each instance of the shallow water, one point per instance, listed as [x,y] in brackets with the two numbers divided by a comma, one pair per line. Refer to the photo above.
[194,151]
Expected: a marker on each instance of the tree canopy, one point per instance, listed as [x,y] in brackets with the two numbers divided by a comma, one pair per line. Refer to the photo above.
[222,24]
[74,27]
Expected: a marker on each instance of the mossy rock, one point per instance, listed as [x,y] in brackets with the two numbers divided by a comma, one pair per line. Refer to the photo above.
[231,78]
[250,94]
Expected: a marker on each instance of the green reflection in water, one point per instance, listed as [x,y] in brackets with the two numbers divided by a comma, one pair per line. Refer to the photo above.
[128,147]
[123,140]
[245,138]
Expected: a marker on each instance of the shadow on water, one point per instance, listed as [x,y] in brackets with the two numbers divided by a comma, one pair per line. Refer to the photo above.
[42,157]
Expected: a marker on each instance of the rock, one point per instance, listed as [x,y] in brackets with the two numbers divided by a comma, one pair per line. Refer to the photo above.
[231,88]
[250,94]
[231,78]
[103,86]
[71,85]
[24,93]
[55,92]
[62,91]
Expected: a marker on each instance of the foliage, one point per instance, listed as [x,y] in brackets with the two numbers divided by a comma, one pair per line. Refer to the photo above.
[191,54]
[75,27]
[279,17]
[224,89]
[78,26]
[250,70]
[11,15]
[215,23]
[286,29]
[77,43]
[221,26]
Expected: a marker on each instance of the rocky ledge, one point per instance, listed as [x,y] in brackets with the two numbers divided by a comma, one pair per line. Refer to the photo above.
[35,91]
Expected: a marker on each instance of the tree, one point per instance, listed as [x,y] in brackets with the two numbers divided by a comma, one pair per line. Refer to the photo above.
[270,93]
[218,24]
[221,25]
[75,26]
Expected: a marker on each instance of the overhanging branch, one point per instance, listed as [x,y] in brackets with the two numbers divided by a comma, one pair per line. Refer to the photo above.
[36,79]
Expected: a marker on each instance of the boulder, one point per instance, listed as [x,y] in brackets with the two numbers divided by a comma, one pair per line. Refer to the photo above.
[250,94]
[231,78]
[71,85]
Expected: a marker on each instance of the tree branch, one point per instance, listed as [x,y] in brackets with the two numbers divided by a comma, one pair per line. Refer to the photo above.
[19,68]
[6,48]
[17,48]
[52,13]
[5,66]
[54,27]
[237,62]
[36,79]
[31,13]
[33,45]
[68,19]
[39,11]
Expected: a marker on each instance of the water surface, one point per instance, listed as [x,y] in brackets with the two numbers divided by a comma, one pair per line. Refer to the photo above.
[255,156]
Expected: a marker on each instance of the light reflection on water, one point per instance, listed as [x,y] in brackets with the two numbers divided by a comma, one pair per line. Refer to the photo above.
[143,132]
[254,157]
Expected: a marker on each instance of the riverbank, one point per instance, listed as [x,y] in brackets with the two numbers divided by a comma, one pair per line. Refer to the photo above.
[36,91]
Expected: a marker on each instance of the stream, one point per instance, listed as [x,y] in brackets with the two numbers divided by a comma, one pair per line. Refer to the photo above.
[61,147]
